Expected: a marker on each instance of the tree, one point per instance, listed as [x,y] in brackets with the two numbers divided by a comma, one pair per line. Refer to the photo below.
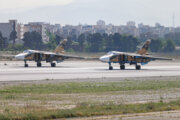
[130,43]
[69,43]
[33,40]
[3,42]
[81,40]
[148,35]
[174,36]
[13,36]
[125,43]
[17,47]
[58,39]
[95,41]
[109,43]
[104,43]
[169,46]
[52,42]
[105,38]
[156,45]
[117,42]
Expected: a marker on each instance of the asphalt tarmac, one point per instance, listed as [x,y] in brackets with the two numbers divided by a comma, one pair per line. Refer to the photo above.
[15,71]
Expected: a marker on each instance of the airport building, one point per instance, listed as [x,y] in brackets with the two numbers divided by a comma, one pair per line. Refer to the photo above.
[20,31]
[130,28]
[7,28]
[39,27]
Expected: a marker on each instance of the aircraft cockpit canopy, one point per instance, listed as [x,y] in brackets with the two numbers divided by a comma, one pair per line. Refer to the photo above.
[111,52]
[27,51]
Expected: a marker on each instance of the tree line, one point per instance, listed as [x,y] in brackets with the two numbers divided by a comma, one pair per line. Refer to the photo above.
[161,45]
[88,43]
[103,43]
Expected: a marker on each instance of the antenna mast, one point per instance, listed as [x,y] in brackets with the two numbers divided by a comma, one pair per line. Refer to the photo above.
[173,20]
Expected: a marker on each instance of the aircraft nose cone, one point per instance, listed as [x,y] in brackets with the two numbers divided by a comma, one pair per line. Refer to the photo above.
[104,59]
[19,57]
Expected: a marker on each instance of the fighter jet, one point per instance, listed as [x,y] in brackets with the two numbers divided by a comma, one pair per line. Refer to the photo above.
[38,56]
[137,59]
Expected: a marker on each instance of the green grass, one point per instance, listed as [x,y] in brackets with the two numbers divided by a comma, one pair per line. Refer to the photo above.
[92,87]
[112,109]
[87,110]
[42,93]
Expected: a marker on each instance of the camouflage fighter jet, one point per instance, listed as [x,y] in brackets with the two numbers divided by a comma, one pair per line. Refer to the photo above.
[137,59]
[38,56]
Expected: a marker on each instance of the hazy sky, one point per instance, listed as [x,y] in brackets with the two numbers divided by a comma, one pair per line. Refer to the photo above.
[89,11]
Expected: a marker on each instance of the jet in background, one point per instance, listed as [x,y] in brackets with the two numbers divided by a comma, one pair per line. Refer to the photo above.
[38,56]
[137,59]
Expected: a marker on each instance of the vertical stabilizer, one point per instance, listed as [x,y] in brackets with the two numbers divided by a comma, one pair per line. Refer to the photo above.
[144,49]
[61,46]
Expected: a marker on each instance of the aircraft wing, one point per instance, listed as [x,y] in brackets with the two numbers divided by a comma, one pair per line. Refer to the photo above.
[147,56]
[142,56]
[70,56]
[65,56]
[156,58]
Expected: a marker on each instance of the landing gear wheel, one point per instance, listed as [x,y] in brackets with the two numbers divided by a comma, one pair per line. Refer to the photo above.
[110,68]
[53,64]
[122,67]
[25,65]
[138,67]
[39,64]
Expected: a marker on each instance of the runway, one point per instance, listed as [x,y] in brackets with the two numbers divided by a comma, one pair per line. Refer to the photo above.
[15,71]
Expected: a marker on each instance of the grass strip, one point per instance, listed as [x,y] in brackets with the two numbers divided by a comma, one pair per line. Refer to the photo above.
[88,110]
[92,87]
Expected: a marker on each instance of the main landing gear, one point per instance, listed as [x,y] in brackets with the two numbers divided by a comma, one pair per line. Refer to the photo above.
[25,64]
[138,67]
[53,64]
[110,66]
[122,67]
[39,64]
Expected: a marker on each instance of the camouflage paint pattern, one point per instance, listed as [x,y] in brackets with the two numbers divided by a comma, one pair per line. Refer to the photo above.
[60,47]
[128,59]
[144,49]
[43,56]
